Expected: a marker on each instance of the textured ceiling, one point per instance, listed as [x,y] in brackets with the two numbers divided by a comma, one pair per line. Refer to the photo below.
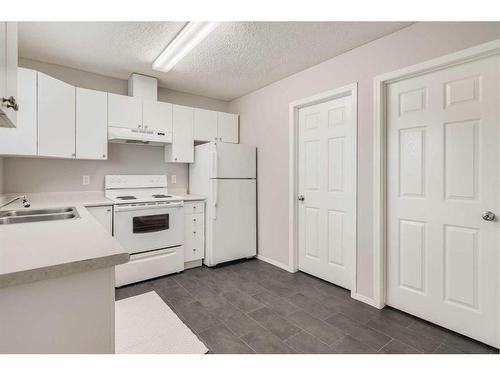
[237,58]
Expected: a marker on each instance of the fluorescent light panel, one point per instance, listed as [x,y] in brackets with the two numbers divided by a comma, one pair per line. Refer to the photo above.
[189,37]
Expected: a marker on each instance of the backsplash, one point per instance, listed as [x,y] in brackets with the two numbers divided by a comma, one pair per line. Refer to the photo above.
[43,175]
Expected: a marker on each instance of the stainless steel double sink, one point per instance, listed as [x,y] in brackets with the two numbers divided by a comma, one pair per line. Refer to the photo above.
[31,216]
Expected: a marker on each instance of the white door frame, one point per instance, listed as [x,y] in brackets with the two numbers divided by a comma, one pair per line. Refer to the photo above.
[348,90]
[380,148]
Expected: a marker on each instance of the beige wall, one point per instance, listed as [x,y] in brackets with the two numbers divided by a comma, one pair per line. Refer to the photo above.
[37,175]
[264,123]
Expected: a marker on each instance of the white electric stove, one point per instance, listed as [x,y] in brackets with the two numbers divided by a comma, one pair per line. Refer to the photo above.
[149,223]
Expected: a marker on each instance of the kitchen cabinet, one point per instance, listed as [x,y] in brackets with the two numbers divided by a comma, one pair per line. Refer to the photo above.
[182,148]
[205,125]
[194,228]
[8,74]
[215,126]
[124,111]
[227,127]
[91,124]
[157,116]
[104,215]
[56,118]
[22,140]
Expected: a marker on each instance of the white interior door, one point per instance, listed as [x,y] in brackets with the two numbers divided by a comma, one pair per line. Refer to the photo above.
[442,168]
[327,175]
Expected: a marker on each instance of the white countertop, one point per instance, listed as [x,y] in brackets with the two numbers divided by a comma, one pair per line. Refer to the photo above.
[192,197]
[42,250]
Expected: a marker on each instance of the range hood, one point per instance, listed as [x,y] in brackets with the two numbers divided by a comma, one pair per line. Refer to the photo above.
[138,136]
[144,88]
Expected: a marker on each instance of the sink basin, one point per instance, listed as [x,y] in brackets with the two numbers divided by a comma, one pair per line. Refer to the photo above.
[32,216]
[35,212]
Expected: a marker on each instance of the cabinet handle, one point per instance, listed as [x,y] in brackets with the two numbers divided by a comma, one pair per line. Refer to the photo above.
[104,155]
[194,250]
[194,232]
[139,126]
[194,219]
[145,126]
[11,103]
[73,154]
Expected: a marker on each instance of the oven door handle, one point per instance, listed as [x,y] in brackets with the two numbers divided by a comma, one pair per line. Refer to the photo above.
[119,208]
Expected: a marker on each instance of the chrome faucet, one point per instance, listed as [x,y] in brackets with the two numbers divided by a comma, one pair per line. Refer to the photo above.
[26,204]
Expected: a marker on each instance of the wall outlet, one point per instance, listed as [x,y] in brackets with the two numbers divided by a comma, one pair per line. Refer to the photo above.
[173,179]
[86,180]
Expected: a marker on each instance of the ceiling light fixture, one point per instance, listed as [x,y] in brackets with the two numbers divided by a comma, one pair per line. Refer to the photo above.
[188,38]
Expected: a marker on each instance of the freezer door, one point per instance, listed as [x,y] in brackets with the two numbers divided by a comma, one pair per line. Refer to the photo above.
[231,221]
[233,160]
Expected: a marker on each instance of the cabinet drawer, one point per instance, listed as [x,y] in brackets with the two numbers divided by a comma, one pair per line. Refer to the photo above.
[194,237]
[194,207]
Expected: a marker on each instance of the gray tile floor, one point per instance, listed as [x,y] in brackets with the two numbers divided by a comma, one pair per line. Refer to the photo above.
[254,307]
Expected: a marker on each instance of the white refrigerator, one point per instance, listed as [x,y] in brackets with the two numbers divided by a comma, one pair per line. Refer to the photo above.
[226,173]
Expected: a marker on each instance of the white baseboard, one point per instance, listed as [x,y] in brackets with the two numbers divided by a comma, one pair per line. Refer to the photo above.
[367,300]
[283,266]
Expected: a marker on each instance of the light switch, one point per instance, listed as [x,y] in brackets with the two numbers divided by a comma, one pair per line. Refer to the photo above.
[173,179]
[86,180]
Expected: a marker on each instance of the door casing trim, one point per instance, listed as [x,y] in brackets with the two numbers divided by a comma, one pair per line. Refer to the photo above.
[348,90]
[380,150]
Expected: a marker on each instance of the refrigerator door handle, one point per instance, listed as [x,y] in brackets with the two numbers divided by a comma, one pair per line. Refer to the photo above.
[215,162]
[215,195]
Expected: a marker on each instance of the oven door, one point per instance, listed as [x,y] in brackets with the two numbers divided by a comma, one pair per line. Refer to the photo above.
[146,228]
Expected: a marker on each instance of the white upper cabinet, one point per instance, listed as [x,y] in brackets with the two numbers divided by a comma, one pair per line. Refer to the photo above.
[205,125]
[124,111]
[157,116]
[21,140]
[182,148]
[91,124]
[227,127]
[56,118]
[215,126]
[8,74]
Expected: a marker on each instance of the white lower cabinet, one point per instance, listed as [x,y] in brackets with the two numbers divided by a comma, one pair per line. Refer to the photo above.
[104,215]
[194,227]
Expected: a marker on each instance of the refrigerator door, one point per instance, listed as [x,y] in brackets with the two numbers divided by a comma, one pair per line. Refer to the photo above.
[231,220]
[229,160]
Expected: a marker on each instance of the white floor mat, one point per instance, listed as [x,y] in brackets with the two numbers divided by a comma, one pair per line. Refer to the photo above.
[144,324]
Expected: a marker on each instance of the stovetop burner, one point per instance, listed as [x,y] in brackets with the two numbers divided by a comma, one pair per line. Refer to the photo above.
[161,196]
[126,197]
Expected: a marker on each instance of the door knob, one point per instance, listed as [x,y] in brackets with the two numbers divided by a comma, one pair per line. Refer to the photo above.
[488,216]
[11,103]
[301,198]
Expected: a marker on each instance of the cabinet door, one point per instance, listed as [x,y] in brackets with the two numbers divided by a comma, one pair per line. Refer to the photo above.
[8,72]
[21,140]
[205,125]
[227,127]
[91,124]
[104,215]
[194,241]
[182,148]
[157,116]
[124,111]
[56,118]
